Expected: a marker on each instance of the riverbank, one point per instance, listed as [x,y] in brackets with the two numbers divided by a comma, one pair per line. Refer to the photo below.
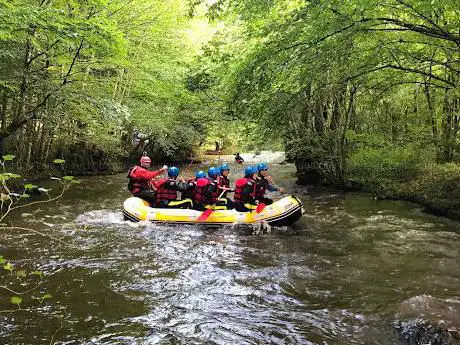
[436,187]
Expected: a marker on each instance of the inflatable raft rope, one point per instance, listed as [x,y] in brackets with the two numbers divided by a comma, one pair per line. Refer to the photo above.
[282,212]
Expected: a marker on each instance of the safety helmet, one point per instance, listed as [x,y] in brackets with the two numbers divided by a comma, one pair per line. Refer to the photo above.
[145,160]
[224,167]
[249,171]
[173,172]
[213,172]
[200,174]
[262,166]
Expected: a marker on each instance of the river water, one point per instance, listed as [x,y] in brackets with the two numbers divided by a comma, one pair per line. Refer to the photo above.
[338,276]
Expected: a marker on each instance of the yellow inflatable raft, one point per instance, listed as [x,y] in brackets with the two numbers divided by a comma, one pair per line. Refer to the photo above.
[282,212]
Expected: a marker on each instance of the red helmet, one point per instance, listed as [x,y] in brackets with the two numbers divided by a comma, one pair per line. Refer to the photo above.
[146,159]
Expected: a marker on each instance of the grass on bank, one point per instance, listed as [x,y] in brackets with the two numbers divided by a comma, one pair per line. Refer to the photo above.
[408,173]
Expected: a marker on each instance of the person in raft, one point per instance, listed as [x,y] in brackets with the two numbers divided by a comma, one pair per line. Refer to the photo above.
[238,158]
[167,189]
[140,177]
[207,192]
[190,187]
[223,183]
[263,184]
[245,190]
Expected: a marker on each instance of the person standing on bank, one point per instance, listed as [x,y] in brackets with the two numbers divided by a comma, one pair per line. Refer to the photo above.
[140,177]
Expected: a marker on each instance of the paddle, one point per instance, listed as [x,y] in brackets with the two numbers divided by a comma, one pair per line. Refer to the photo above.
[260,207]
[205,215]
[188,168]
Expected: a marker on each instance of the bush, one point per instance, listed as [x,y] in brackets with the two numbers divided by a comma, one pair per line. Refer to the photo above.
[399,164]
[438,184]
[381,171]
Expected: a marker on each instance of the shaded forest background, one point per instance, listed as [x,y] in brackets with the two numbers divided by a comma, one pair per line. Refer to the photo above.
[358,93]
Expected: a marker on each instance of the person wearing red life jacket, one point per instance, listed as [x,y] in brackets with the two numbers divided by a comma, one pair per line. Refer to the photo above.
[245,190]
[200,199]
[238,158]
[167,189]
[207,191]
[263,184]
[140,177]
[191,186]
[223,183]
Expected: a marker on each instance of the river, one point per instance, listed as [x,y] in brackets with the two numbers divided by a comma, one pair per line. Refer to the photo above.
[340,275]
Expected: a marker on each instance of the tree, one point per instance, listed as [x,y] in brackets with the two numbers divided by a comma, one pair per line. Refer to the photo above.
[310,70]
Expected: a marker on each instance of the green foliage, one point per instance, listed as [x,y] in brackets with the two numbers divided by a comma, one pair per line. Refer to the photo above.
[369,165]
[332,77]
[8,157]
[37,273]
[20,282]
[29,186]
[16,300]
[21,274]
[8,267]
[438,184]
[77,77]
[13,194]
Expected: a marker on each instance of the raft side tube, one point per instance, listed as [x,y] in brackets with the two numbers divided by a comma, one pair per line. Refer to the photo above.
[282,212]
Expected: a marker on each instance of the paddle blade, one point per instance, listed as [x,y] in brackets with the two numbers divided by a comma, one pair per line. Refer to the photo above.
[260,207]
[205,215]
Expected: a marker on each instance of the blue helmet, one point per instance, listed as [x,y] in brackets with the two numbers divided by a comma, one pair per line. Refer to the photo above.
[213,172]
[200,174]
[250,170]
[262,166]
[224,167]
[173,172]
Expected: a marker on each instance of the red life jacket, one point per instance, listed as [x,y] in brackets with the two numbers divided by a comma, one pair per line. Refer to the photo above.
[261,187]
[164,194]
[223,181]
[201,185]
[211,191]
[190,191]
[135,184]
[245,190]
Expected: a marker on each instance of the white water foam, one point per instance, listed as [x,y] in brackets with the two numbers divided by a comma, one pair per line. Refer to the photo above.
[265,156]
[100,217]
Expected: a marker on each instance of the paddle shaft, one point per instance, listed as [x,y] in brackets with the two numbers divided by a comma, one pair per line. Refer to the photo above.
[188,167]
[220,196]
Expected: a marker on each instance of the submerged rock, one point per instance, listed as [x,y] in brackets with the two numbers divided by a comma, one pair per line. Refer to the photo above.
[429,321]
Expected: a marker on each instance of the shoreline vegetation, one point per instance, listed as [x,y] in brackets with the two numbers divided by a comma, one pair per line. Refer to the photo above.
[396,174]
[435,187]
[365,93]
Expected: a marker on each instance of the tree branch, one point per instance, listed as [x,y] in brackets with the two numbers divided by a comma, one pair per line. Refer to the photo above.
[74,60]
[421,15]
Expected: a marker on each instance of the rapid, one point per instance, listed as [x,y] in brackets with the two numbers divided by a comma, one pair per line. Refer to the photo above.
[352,270]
